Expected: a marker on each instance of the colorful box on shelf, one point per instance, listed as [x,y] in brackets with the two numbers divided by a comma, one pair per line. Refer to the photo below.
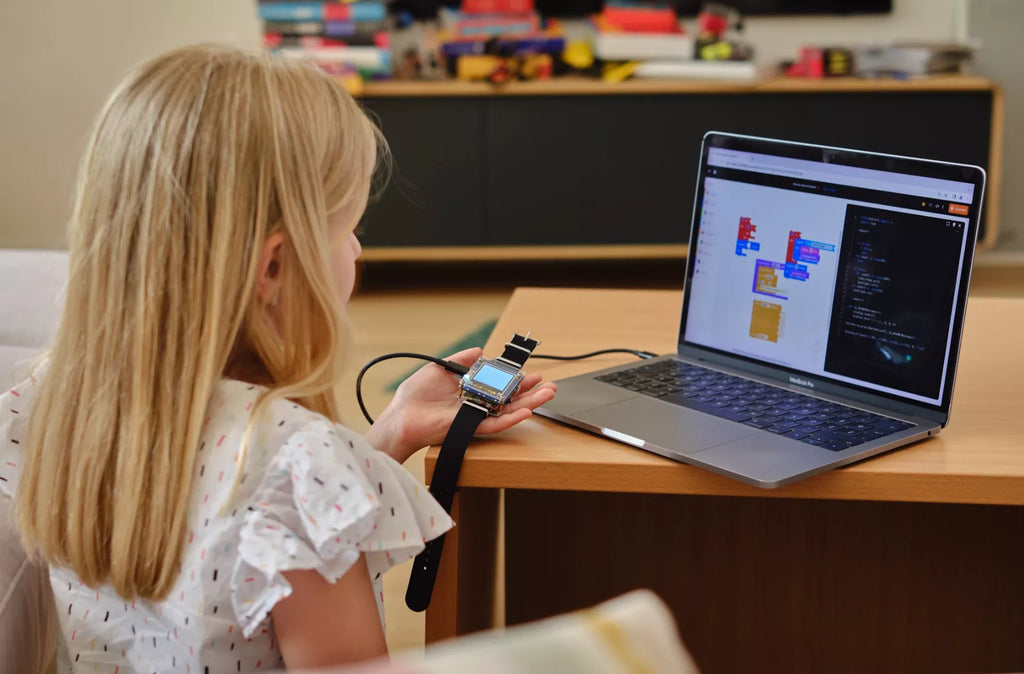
[330,29]
[367,61]
[490,25]
[380,39]
[500,69]
[640,18]
[818,62]
[497,6]
[362,10]
[732,71]
[612,43]
[550,40]
[293,27]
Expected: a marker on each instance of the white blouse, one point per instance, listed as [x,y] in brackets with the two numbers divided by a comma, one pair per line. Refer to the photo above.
[311,495]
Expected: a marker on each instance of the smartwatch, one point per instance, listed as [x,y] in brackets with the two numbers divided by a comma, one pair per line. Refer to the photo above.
[484,389]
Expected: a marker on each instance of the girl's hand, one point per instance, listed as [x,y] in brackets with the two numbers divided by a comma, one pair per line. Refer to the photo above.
[426,403]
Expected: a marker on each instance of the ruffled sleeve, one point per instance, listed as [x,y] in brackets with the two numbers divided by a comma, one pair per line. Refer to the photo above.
[327,497]
[14,408]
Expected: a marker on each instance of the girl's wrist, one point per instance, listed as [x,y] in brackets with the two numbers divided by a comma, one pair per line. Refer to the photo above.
[385,436]
[379,440]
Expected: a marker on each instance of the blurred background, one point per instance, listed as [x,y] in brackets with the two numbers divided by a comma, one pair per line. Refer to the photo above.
[62,59]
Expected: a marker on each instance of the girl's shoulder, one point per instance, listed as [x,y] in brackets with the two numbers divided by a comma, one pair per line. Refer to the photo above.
[234,403]
[273,437]
[234,413]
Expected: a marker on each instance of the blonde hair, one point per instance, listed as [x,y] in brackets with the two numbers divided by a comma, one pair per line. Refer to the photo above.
[196,159]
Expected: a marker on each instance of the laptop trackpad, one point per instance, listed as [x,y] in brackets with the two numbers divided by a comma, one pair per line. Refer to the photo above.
[665,425]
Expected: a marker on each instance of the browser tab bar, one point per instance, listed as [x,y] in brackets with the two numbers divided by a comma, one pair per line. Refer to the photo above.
[887,181]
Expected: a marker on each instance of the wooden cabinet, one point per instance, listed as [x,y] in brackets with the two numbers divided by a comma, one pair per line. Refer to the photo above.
[584,169]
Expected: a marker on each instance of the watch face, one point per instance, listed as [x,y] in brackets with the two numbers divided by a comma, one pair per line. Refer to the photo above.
[488,375]
[490,382]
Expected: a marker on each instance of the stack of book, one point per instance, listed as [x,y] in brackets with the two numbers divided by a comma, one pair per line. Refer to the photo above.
[632,30]
[505,27]
[343,38]
[911,59]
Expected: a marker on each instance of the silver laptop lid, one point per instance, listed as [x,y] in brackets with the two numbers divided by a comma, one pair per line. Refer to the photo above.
[838,270]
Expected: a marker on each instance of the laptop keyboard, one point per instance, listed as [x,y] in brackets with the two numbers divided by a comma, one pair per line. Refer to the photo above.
[816,422]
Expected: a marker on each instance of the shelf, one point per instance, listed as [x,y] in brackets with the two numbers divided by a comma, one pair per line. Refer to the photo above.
[539,171]
[580,86]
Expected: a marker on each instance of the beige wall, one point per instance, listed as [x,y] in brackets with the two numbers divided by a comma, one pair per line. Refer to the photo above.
[778,38]
[62,57]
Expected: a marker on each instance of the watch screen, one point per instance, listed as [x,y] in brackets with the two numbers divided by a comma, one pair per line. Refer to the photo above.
[488,375]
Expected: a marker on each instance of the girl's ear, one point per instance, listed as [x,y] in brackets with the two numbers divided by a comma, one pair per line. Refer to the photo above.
[268,279]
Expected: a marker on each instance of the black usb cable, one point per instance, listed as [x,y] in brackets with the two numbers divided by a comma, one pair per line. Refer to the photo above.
[459,370]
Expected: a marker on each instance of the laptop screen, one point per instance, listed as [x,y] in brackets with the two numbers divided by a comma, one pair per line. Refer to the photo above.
[838,265]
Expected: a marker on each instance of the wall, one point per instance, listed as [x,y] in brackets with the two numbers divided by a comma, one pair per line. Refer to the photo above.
[994,25]
[62,58]
[778,38]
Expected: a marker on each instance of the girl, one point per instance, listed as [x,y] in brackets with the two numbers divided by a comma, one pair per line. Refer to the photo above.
[177,460]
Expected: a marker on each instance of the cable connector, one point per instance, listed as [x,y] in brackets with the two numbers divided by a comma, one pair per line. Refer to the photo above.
[455,368]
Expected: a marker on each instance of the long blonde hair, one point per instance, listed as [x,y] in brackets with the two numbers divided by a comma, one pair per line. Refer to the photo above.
[196,159]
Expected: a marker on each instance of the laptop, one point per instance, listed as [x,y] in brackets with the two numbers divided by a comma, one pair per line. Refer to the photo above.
[823,306]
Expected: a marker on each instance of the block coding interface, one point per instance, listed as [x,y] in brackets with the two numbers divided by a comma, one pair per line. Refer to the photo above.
[841,272]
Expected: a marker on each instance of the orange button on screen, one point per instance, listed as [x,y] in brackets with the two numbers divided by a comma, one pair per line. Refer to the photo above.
[958,209]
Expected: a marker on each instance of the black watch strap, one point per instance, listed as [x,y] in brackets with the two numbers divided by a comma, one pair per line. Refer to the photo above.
[518,350]
[442,488]
[446,476]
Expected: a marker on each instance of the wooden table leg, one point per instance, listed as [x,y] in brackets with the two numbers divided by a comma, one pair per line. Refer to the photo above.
[463,599]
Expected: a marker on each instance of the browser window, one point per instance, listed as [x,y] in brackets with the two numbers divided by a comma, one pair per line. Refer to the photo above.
[837,271]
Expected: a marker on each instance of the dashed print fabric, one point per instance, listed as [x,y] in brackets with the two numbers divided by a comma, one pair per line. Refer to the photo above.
[311,494]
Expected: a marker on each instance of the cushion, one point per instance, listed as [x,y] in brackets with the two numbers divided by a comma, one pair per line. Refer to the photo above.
[32,286]
[631,633]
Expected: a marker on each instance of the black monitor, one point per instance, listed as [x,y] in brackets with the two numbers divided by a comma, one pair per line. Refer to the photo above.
[689,8]
[775,7]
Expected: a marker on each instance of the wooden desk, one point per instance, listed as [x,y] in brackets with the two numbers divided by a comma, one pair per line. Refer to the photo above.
[906,562]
